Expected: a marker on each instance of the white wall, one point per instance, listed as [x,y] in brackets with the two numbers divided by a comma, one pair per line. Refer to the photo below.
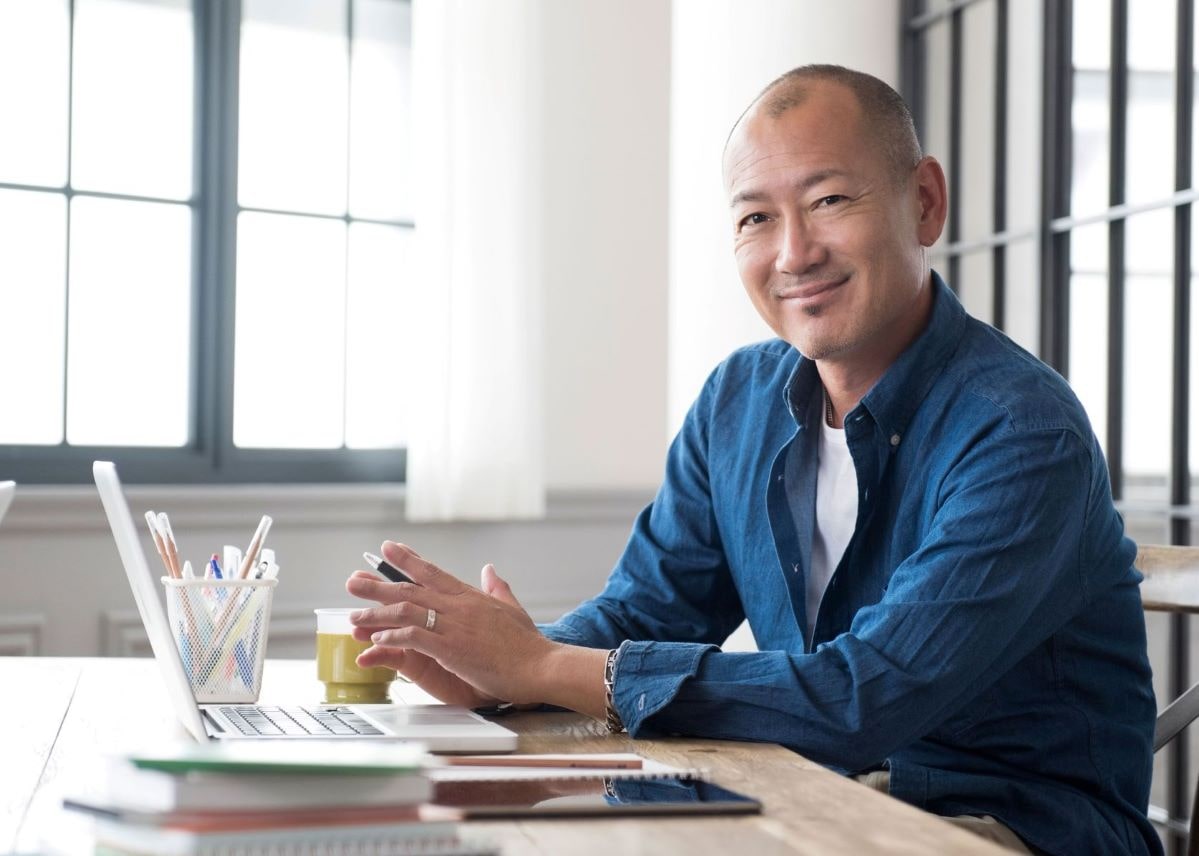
[607,119]
[725,51]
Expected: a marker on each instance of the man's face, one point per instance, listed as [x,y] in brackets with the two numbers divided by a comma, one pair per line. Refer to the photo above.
[829,242]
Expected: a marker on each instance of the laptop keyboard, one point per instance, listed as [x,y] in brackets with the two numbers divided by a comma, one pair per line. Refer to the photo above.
[265,721]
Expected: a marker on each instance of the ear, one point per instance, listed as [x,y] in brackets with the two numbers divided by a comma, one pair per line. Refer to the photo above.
[932,198]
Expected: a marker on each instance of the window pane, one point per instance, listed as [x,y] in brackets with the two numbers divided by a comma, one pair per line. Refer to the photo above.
[1089,112]
[976,195]
[294,101]
[1148,366]
[1088,322]
[1150,157]
[377,312]
[1194,378]
[974,290]
[34,40]
[129,336]
[1023,117]
[289,364]
[381,110]
[32,300]
[132,123]
[935,130]
[1022,296]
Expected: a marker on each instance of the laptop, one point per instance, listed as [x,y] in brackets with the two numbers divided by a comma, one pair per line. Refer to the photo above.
[7,489]
[440,728]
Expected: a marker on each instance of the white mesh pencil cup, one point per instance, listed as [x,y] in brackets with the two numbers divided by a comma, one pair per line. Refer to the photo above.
[220,629]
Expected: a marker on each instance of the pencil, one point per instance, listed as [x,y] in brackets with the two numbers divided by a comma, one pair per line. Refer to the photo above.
[152,522]
[168,540]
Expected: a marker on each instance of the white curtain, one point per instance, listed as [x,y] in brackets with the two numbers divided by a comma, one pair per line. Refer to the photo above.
[474,343]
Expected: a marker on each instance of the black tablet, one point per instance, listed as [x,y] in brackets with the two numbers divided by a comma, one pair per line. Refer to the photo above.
[590,797]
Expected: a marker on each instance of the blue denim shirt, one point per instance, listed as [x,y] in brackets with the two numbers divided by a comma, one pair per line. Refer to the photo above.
[982,636]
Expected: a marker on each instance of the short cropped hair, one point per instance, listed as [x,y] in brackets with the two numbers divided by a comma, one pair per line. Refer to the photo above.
[883,108]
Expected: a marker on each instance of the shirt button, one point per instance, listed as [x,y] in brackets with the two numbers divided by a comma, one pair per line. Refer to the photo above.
[795,568]
[894,439]
[641,702]
[778,478]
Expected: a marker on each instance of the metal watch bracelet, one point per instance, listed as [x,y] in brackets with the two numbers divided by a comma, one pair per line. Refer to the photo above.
[611,716]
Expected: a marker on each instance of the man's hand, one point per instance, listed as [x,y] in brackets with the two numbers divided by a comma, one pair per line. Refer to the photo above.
[481,647]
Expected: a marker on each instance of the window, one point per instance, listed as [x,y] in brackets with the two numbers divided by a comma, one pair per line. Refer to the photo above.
[205,230]
[1068,131]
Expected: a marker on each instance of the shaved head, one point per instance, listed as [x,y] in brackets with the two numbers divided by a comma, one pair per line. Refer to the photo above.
[884,112]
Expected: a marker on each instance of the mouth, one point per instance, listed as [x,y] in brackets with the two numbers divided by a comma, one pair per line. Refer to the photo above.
[809,291]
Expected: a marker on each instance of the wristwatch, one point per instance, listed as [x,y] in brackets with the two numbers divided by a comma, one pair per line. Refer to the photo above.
[611,716]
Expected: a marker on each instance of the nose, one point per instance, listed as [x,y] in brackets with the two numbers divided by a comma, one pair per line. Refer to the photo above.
[800,248]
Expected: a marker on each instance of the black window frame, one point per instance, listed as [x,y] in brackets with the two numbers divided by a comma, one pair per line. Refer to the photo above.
[210,455]
[1053,230]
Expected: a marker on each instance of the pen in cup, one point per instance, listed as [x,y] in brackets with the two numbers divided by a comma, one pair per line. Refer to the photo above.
[251,554]
[393,574]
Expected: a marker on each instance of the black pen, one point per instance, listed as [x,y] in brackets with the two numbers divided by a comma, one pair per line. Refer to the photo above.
[393,574]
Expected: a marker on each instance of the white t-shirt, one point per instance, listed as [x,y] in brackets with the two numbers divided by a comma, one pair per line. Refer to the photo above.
[836,514]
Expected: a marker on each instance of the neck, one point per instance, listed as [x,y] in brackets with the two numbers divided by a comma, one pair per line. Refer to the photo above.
[848,377]
[844,391]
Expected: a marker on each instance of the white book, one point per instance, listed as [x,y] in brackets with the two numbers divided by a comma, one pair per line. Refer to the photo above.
[130,788]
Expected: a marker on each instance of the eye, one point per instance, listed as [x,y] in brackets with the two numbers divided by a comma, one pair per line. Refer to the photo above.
[827,201]
[752,220]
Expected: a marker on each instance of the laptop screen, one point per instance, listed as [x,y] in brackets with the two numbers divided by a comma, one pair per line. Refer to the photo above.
[145,593]
[7,489]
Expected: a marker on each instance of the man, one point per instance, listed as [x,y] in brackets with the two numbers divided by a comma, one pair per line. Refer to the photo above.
[912,512]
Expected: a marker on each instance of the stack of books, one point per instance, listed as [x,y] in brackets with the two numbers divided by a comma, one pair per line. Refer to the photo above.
[277,797]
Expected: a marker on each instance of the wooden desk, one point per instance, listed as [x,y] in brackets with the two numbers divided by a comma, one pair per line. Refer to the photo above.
[56,722]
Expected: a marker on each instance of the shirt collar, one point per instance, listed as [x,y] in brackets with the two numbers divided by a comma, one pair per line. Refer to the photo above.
[893,400]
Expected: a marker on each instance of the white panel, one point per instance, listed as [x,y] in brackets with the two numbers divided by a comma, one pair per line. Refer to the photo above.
[1088,322]
[377,312]
[34,49]
[381,110]
[975,194]
[974,289]
[129,335]
[33,279]
[132,97]
[21,635]
[1023,114]
[289,364]
[293,105]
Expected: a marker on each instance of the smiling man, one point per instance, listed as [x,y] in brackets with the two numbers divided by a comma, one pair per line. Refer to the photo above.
[912,512]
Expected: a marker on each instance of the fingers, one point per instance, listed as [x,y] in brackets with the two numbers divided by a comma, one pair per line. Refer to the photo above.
[370,587]
[492,584]
[403,614]
[425,573]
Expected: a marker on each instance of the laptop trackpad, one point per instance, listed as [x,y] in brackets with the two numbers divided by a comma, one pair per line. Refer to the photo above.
[402,716]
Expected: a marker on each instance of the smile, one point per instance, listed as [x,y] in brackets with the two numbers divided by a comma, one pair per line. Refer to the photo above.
[810,291]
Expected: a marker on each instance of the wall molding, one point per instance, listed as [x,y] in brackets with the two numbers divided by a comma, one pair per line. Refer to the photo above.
[42,508]
[21,634]
[122,634]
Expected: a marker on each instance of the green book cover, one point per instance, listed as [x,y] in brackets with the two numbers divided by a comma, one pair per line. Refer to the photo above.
[286,756]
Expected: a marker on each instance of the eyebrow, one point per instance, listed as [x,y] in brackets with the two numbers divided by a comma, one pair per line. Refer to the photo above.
[805,183]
